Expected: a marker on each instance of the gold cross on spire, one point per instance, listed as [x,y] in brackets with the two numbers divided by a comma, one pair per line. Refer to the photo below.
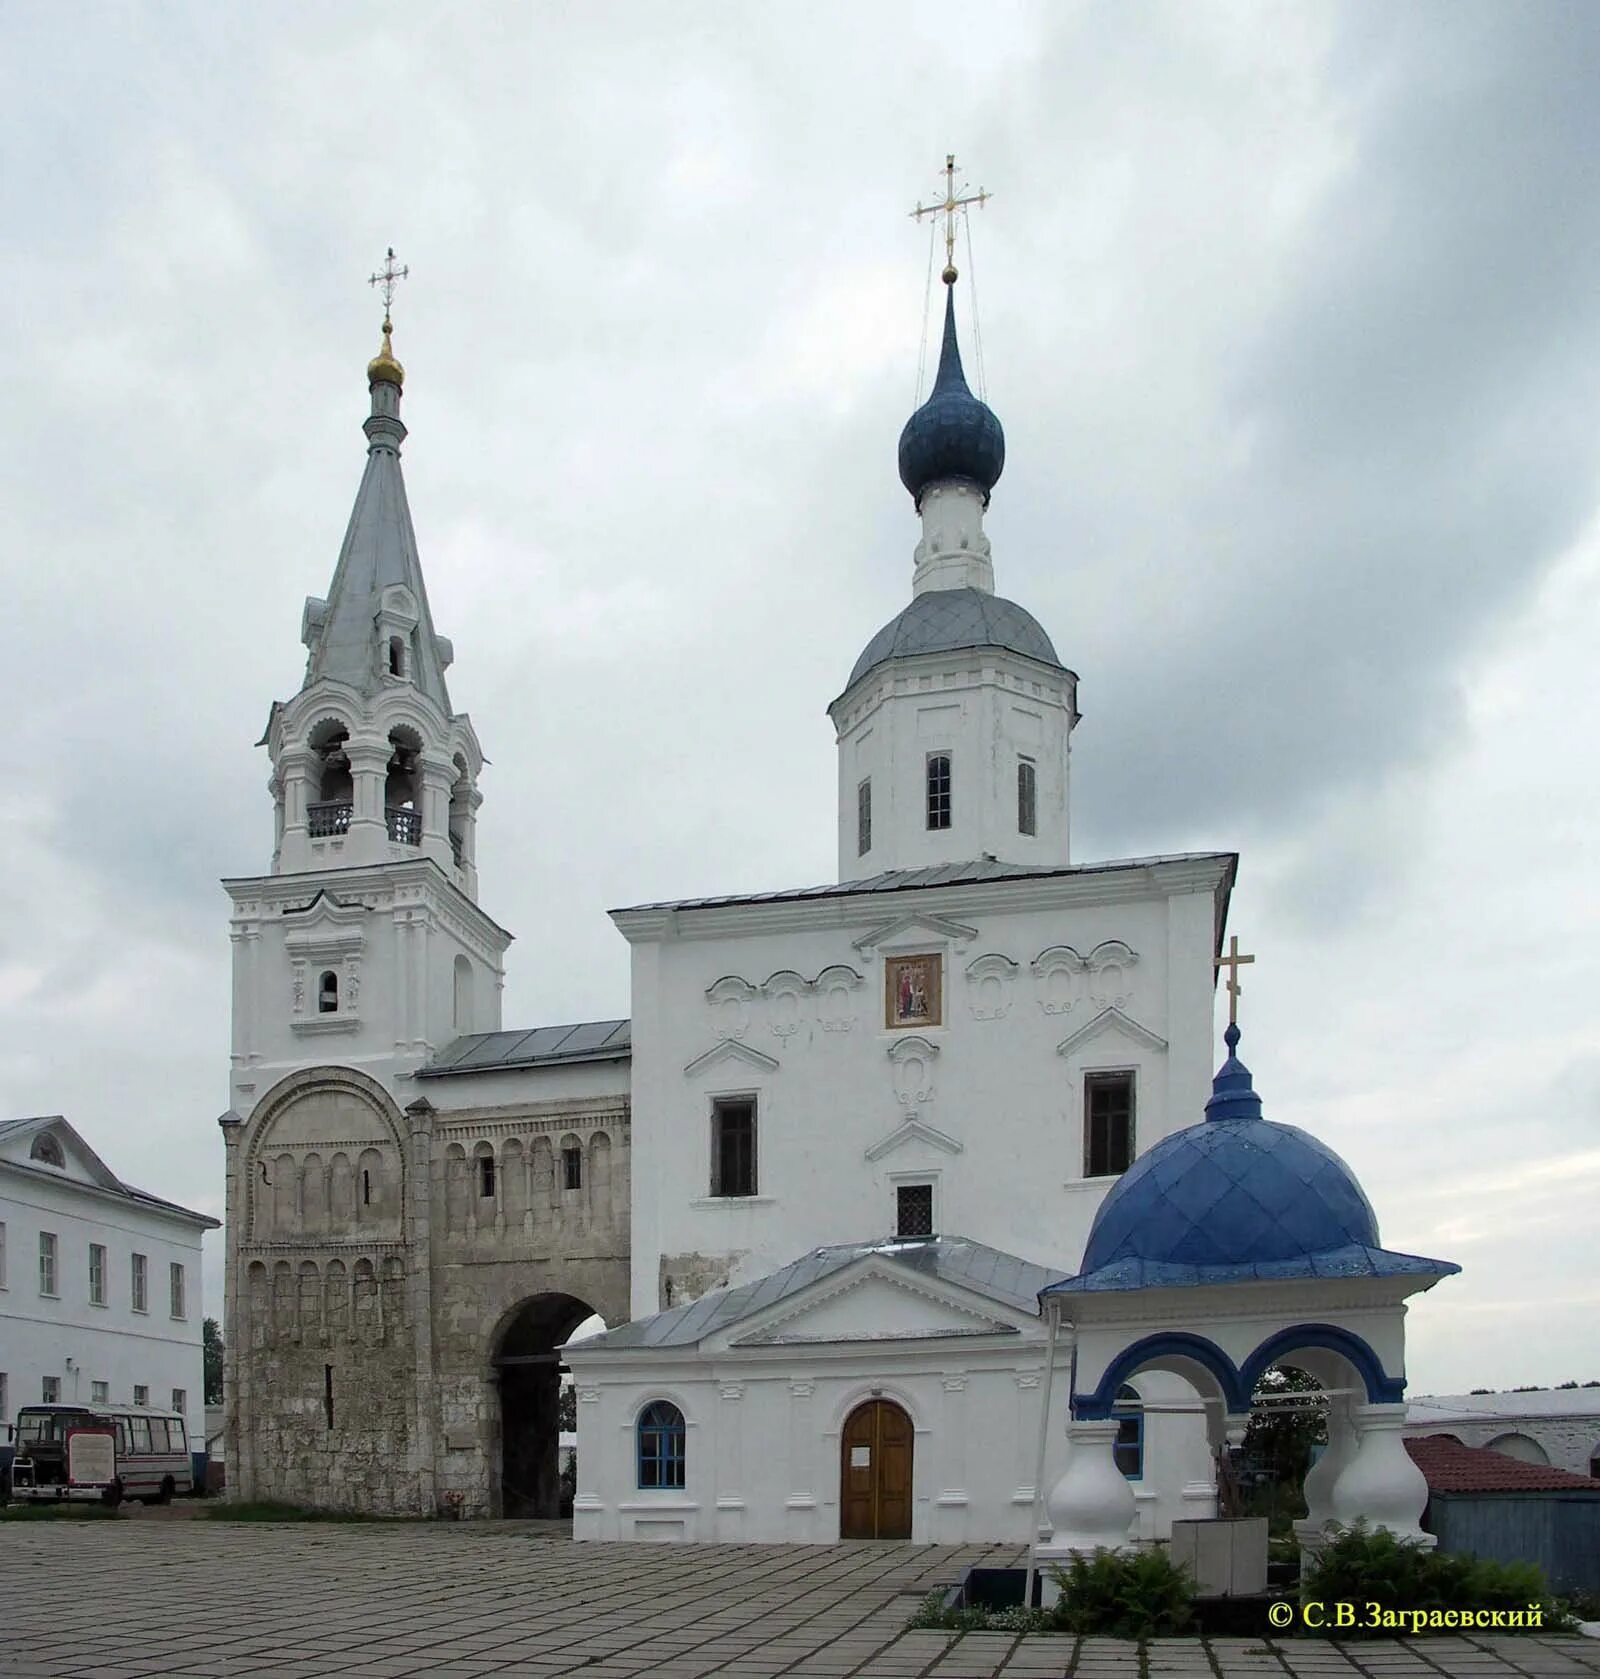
[947,209]
[1233,962]
[388,278]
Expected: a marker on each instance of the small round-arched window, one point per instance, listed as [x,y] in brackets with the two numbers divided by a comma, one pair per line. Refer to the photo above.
[661,1445]
[1128,1447]
[328,993]
[47,1148]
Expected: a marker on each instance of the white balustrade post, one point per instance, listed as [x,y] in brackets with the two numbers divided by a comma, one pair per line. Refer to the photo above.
[1381,1485]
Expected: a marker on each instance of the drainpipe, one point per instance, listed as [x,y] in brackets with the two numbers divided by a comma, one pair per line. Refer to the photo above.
[1038,1463]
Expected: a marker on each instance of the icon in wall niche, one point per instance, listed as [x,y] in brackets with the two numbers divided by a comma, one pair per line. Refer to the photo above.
[914,996]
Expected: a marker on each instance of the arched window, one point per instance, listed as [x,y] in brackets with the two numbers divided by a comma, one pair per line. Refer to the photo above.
[397,655]
[1128,1447]
[48,1149]
[463,994]
[661,1454]
[938,790]
[328,993]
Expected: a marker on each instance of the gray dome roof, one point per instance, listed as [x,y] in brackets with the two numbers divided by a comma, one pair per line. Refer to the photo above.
[944,619]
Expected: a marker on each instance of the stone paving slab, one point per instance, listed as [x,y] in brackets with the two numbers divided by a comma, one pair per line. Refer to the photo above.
[215,1600]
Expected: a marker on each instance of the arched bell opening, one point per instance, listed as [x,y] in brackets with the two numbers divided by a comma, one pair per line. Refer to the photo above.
[330,797]
[402,786]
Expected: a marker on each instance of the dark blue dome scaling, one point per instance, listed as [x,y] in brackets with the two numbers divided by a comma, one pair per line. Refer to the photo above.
[1236,1199]
[952,435]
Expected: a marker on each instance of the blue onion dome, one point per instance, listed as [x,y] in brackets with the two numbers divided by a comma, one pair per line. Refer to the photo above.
[942,620]
[953,434]
[1236,1198]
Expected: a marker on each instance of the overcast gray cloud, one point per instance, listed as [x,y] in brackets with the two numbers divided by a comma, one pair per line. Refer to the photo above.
[1293,319]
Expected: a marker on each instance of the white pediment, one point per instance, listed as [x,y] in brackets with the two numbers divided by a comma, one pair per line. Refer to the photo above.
[1110,1021]
[324,927]
[911,1130]
[52,1145]
[872,1305]
[908,931]
[730,1050]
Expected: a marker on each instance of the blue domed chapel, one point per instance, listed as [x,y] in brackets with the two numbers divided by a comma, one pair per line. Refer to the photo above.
[1231,1246]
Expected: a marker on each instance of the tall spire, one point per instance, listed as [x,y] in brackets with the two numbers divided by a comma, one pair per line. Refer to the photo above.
[375,625]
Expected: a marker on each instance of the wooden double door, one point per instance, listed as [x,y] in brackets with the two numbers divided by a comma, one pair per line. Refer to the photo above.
[875,1472]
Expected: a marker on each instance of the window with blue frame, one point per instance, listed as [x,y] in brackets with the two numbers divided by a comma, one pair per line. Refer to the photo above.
[661,1445]
[1128,1447]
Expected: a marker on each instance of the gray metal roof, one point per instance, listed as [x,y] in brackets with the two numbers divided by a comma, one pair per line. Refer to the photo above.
[941,620]
[380,548]
[997,1276]
[937,874]
[538,1046]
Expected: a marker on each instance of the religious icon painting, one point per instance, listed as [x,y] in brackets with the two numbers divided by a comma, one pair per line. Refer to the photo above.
[913,994]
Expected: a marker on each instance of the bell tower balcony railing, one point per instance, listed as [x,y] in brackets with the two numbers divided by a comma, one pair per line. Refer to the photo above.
[405,826]
[332,817]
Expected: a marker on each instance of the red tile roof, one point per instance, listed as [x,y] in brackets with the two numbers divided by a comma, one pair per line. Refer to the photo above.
[1451,1467]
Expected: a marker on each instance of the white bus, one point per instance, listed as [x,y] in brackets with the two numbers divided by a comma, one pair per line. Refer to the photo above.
[105,1452]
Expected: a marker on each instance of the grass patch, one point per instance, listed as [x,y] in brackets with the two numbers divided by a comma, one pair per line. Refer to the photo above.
[57,1513]
[269,1510]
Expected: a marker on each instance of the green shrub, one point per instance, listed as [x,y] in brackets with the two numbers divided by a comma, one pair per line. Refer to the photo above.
[1123,1594]
[57,1512]
[1362,1568]
[932,1614]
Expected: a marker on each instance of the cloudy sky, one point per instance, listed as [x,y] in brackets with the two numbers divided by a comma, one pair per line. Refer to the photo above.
[1292,314]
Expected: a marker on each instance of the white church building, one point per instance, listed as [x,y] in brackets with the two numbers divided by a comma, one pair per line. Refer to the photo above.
[830,1184]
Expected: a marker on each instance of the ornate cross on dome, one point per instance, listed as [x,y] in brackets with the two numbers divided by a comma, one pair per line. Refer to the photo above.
[388,278]
[948,209]
[1233,962]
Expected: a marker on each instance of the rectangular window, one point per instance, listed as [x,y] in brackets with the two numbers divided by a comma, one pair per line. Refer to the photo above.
[47,1262]
[139,1427]
[50,1390]
[733,1146]
[864,817]
[176,1290]
[1127,1450]
[141,1396]
[141,1283]
[99,1393]
[486,1176]
[1027,797]
[938,790]
[913,1210]
[572,1167]
[1107,1124]
[97,1274]
[180,1401]
[2,1254]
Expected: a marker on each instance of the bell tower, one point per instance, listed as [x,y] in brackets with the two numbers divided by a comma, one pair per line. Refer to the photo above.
[364,943]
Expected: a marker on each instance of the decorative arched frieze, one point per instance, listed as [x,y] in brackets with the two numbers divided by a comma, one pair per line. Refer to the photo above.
[730,1000]
[1056,972]
[836,987]
[1110,966]
[990,981]
[786,992]
[911,1062]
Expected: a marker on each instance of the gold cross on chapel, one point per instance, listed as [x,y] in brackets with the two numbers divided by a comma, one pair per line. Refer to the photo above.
[387,278]
[1233,962]
[948,209]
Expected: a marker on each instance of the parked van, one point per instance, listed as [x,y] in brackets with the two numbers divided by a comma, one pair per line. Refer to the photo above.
[105,1452]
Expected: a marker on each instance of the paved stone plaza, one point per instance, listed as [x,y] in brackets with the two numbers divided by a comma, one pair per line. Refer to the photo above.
[213,1600]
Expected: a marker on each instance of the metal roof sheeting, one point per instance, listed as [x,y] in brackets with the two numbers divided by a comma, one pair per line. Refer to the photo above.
[997,1276]
[937,874]
[538,1046]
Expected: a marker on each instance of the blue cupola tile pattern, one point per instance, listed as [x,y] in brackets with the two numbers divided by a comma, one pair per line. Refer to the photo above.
[952,436]
[1236,1198]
